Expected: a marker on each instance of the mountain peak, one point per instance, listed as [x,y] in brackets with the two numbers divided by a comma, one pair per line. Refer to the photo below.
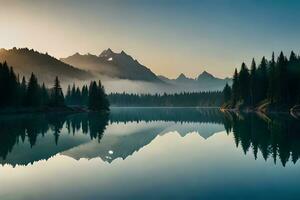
[106,53]
[181,76]
[205,75]
[76,54]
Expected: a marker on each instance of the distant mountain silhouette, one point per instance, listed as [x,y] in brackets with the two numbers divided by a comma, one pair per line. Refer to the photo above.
[46,67]
[111,64]
[204,82]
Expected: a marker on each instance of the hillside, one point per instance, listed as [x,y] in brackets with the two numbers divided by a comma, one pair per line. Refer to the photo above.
[46,67]
[114,65]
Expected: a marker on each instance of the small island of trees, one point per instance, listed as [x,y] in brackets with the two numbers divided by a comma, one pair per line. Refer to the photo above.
[22,96]
[270,86]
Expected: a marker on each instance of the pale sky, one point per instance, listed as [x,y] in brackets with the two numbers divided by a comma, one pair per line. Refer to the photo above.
[168,36]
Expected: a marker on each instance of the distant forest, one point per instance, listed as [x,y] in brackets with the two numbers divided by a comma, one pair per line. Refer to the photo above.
[186,99]
[271,84]
[18,94]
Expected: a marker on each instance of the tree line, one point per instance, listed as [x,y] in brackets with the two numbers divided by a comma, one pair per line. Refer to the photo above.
[185,99]
[276,138]
[17,129]
[18,93]
[275,83]
[94,96]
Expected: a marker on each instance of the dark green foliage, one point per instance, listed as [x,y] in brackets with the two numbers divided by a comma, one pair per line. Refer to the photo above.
[276,138]
[97,97]
[44,95]
[57,96]
[272,79]
[8,86]
[262,81]
[244,84]
[76,96]
[32,98]
[227,93]
[253,83]
[276,82]
[93,97]
[186,99]
[18,93]
[235,88]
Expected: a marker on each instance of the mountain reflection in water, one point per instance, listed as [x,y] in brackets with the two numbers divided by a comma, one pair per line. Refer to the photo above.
[29,138]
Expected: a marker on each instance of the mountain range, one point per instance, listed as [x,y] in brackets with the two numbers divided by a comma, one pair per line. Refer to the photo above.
[204,82]
[46,67]
[111,64]
[118,71]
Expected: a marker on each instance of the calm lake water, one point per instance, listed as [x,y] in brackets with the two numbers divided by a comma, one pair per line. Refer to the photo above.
[150,153]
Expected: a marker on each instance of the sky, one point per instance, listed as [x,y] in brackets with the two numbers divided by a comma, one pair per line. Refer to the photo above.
[168,36]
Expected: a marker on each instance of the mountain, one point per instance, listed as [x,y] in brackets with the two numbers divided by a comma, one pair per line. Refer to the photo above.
[183,79]
[204,82]
[114,65]
[46,67]
[205,76]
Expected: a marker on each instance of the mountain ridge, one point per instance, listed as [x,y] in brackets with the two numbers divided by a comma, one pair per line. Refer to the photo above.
[111,64]
[204,81]
[26,61]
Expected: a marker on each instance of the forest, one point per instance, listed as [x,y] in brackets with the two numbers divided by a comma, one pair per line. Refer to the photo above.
[270,85]
[185,99]
[20,94]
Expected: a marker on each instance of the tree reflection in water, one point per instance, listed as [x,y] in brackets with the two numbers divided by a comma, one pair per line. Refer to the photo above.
[274,136]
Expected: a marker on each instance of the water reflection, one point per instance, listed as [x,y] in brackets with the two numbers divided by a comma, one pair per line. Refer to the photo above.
[275,136]
[28,138]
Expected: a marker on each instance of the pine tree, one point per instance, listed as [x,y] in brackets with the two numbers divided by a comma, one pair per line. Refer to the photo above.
[68,95]
[263,80]
[85,95]
[235,88]
[227,93]
[44,95]
[73,94]
[272,80]
[93,96]
[57,97]
[33,94]
[253,83]
[282,78]
[12,88]
[97,98]
[4,85]
[244,85]
[23,88]
[103,101]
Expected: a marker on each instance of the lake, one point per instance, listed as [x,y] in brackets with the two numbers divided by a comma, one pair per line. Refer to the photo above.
[150,153]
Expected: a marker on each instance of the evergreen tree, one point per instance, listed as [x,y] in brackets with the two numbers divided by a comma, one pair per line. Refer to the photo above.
[44,95]
[57,97]
[12,88]
[282,85]
[235,88]
[227,93]
[4,85]
[244,86]
[253,83]
[33,94]
[23,88]
[97,97]
[93,96]
[103,101]
[85,95]
[68,95]
[272,80]
[262,80]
